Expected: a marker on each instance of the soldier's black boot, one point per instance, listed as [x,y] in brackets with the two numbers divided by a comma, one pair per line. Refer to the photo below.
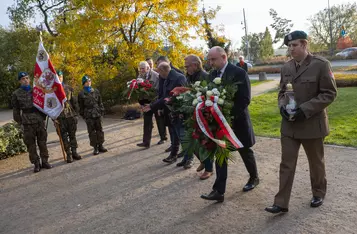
[96,150]
[37,167]
[102,149]
[75,155]
[69,156]
[45,164]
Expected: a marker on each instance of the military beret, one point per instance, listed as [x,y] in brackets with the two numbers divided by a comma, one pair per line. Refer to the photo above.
[85,78]
[294,36]
[22,74]
[59,72]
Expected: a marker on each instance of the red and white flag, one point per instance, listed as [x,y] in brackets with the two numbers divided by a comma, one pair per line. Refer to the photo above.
[48,93]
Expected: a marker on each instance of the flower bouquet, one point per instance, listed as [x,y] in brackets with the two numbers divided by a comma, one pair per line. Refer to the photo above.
[290,101]
[141,90]
[208,108]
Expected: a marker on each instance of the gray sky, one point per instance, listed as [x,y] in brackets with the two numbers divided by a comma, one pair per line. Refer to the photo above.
[257,14]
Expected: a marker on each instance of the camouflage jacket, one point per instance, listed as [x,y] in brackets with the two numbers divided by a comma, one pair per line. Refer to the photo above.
[90,104]
[71,106]
[24,111]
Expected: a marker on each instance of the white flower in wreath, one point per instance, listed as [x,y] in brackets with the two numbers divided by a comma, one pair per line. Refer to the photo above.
[197,89]
[289,86]
[216,92]
[223,97]
[208,103]
[220,101]
[195,102]
[179,97]
[224,91]
[209,93]
[199,94]
[217,80]
[206,88]
[197,83]
[140,80]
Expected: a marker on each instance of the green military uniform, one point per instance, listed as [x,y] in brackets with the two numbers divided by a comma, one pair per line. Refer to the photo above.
[68,124]
[33,122]
[314,89]
[91,109]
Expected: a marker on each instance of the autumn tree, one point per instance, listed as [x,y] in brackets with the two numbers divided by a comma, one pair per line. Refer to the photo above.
[341,15]
[211,34]
[282,26]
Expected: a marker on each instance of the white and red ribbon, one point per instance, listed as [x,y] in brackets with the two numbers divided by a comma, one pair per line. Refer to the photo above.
[133,83]
[202,123]
[223,124]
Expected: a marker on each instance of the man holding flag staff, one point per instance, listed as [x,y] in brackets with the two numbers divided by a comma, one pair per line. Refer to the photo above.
[32,121]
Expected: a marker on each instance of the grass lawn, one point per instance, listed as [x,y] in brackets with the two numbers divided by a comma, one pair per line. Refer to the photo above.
[342,117]
[257,82]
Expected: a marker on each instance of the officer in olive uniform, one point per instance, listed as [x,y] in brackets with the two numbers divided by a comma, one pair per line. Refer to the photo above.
[32,122]
[68,121]
[314,89]
[91,109]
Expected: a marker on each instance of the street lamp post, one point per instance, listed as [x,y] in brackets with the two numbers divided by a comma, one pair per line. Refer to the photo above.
[329,16]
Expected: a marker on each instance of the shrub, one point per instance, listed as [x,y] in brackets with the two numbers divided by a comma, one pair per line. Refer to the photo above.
[11,142]
[346,80]
[276,60]
[257,70]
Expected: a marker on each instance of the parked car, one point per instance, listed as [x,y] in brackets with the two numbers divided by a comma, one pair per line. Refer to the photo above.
[348,52]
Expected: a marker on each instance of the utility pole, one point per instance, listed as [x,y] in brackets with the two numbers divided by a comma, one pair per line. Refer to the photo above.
[329,17]
[246,36]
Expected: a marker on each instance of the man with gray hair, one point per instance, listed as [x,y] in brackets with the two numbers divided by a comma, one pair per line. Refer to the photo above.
[242,64]
[147,74]
[195,72]
[172,79]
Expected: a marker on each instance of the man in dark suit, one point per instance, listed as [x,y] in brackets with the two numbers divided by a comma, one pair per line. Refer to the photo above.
[242,125]
[173,79]
[242,64]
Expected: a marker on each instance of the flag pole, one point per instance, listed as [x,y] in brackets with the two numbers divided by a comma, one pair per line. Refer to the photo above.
[60,138]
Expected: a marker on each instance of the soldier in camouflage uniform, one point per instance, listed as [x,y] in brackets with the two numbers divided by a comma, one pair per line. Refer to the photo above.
[67,121]
[32,121]
[91,109]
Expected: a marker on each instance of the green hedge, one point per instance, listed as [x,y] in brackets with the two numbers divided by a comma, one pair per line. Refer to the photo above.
[11,142]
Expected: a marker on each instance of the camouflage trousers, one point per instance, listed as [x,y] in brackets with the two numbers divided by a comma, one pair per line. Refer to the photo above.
[36,133]
[95,131]
[68,129]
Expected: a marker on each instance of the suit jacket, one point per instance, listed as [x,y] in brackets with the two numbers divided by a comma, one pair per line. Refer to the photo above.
[173,80]
[198,76]
[241,124]
[244,67]
[314,89]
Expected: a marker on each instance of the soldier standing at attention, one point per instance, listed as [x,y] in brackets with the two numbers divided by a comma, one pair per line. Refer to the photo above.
[32,121]
[68,122]
[314,89]
[91,109]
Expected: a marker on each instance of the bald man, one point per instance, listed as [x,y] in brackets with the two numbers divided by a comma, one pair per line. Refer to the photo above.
[242,125]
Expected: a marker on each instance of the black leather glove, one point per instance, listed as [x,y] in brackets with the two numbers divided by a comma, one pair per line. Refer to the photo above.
[299,115]
[284,113]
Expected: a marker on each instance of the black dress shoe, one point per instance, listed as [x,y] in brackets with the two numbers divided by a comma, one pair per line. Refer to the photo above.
[161,142]
[170,159]
[316,201]
[188,164]
[181,154]
[46,165]
[143,145]
[96,150]
[168,149]
[75,155]
[213,196]
[181,164]
[274,209]
[102,149]
[251,184]
[37,167]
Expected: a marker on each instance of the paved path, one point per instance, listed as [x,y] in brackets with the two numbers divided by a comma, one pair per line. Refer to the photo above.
[129,190]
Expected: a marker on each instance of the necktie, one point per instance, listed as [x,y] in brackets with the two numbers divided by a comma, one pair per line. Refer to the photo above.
[219,73]
[297,67]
